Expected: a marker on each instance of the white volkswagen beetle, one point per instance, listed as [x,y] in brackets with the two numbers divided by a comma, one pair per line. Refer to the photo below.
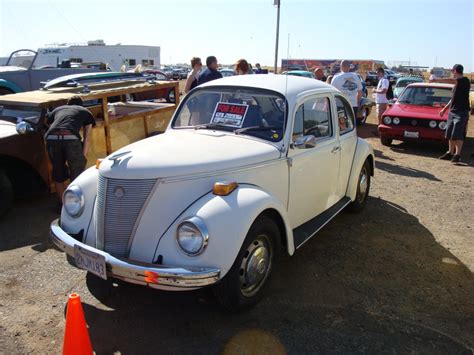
[250,166]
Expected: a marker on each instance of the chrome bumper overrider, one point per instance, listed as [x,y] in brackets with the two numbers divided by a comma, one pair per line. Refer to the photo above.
[164,277]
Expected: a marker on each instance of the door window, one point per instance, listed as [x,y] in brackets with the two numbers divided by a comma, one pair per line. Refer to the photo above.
[345,115]
[313,118]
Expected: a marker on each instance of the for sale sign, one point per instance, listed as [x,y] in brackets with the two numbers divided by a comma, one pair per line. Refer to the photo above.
[229,114]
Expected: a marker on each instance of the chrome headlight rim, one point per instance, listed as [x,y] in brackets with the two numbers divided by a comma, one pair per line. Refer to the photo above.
[387,120]
[77,191]
[433,124]
[396,120]
[442,125]
[199,224]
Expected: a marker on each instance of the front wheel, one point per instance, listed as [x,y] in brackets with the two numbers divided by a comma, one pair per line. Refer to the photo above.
[243,285]
[363,188]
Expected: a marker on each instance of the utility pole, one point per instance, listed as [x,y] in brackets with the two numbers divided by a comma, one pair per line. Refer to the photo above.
[277,3]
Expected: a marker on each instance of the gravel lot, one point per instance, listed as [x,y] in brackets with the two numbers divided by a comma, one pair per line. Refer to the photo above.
[397,278]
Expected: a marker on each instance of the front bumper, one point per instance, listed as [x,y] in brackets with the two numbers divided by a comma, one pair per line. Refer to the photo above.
[424,133]
[168,278]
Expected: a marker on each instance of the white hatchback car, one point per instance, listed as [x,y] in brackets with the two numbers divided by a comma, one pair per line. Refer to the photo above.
[249,166]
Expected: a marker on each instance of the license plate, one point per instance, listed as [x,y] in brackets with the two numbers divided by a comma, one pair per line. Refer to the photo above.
[409,134]
[90,261]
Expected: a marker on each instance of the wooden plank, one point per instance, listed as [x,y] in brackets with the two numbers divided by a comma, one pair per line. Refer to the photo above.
[126,132]
[105,113]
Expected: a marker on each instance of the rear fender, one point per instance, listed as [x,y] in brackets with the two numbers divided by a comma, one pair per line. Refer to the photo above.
[364,151]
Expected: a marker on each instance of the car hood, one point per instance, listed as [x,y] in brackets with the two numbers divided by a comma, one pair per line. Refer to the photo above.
[415,111]
[7,129]
[186,152]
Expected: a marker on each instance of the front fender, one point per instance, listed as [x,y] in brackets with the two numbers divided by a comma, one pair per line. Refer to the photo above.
[363,152]
[10,86]
[228,220]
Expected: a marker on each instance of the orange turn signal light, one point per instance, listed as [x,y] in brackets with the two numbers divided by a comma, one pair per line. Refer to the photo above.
[151,277]
[97,163]
[224,188]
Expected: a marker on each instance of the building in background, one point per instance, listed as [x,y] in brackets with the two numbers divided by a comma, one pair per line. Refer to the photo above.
[97,51]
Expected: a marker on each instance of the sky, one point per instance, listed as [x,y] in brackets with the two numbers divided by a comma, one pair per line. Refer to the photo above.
[421,32]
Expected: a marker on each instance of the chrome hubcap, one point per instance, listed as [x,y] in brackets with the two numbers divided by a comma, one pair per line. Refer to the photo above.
[255,266]
[363,184]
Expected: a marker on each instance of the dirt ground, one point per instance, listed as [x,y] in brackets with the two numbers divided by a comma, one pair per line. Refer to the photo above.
[397,278]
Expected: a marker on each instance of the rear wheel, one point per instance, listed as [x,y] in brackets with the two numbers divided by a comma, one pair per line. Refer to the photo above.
[386,141]
[243,285]
[363,188]
[6,193]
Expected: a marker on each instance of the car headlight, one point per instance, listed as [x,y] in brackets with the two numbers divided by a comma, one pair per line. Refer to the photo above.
[387,120]
[73,201]
[433,124]
[192,236]
[396,120]
[442,125]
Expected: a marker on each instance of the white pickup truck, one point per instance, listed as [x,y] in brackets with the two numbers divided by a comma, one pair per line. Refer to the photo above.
[25,77]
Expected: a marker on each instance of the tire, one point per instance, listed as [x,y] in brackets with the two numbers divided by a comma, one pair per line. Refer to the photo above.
[259,251]
[5,91]
[6,193]
[363,188]
[386,141]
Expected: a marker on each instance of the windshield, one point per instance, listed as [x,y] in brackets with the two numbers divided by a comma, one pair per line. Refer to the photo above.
[404,83]
[425,96]
[254,112]
[18,114]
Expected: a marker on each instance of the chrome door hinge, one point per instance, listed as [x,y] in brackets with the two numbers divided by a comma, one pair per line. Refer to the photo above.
[290,162]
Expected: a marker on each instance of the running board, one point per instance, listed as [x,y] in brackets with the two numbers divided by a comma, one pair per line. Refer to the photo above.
[307,230]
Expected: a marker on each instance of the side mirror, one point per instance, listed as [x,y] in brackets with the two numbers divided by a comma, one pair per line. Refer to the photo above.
[24,127]
[304,142]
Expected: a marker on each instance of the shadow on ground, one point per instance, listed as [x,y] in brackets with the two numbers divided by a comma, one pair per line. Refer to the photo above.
[374,282]
[16,226]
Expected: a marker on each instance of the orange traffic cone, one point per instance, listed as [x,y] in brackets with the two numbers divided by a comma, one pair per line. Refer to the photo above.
[76,335]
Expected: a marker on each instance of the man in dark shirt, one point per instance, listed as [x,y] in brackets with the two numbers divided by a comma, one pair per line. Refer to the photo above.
[456,127]
[211,72]
[63,141]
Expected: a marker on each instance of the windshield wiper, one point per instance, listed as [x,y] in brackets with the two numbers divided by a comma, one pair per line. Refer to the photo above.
[210,125]
[255,128]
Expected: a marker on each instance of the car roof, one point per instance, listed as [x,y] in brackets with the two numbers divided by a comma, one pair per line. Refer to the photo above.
[432,85]
[409,78]
[286,85]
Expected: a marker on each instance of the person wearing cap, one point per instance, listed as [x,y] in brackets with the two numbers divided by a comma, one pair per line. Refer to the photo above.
[211,72]
[456,125]
[319,74]
[63,141]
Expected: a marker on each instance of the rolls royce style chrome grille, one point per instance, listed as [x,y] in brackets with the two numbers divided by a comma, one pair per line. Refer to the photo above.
[119,204]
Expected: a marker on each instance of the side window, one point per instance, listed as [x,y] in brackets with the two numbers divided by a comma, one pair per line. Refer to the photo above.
[313,118]
[345,116]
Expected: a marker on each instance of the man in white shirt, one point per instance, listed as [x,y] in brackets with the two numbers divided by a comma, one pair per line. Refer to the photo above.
[349,84]
[381,94]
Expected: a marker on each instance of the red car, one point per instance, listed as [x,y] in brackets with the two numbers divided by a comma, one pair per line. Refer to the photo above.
[415,116]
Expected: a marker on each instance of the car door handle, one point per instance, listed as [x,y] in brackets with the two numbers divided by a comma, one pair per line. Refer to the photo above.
[335,149]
